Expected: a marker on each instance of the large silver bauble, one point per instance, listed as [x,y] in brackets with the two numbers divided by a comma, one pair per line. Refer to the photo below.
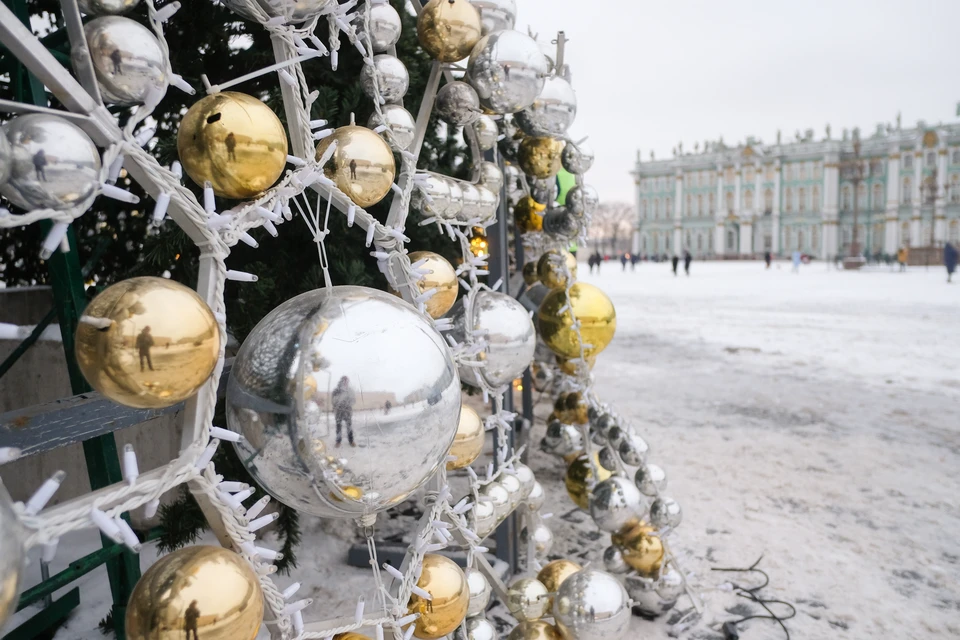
[431,196]
[127,59]
[526,478]
[532,297]
[562,439]
[487,132]
[592,605]
[613,560]
[583,199]
[482,518]
[332,383]
[543,189]
[470,211]
[527,599]
[607,458]
[491,177]
[6,159]
[508,334]
[561,223]
[398,120]
[633,450]
[498,497]
[480,591]
[647,601]
[615,502]
[496,15]
[537,497]
[385,26]
[552,113]
[665,513]
[55,164]
[542,539]
[456,200]
[106,7]
[457,104]
[480,629]
[577,158]
[507,70]
[512,486]
[392,78]
[671,585]
[650,479]
[11,556]
[488,204]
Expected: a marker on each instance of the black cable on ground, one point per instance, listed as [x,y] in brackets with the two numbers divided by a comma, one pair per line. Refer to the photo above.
[730,631]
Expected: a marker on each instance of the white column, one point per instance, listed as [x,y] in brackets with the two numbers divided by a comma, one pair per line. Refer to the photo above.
[890,243]
[677,214]
[775,214]
[637,222]
[757,211]
[737,189]
[719,241]
[915,239]
[939,215]
[830,244]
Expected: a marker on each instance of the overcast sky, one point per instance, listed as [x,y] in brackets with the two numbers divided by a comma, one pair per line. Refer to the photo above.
[650,73]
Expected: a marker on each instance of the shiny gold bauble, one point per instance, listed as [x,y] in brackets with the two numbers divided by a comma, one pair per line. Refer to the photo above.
[233,141]
[572,408]
[528,215]
[479,246]
[550,268]
[589,305]
[468,444]
[442,277]
[161,344]
[527,599]
[535,630]
[530,273]
[580,481]
[202,592]
[448,29]
[446,584]
[350,635]
[570,457]
[574,366]
[642,550]
[362,166]
[554,573]
[540,157]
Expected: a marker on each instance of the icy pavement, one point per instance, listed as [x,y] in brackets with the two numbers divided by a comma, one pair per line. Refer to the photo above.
[811,418]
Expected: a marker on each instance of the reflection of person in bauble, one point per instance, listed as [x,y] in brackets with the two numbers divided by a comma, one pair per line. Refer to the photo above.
[190,617]
[353,169]
[144,342]
[116,59]
[39,162]
[231,142]
[343,401]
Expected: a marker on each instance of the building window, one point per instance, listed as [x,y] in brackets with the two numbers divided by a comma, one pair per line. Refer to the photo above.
[908,160]
[845,199]
[643,243]
[954,231]
[878,196]
[729,176]
[802,204]
[955,188]
[769,173]
[876,168]
[768,201]
[815,238]
[750,175]
[862,196]
[748,200]
[668,208]
[689,204]
[800,239]
[907,196]
[803,170]
[956,157]
[730,201]
[643,209]
[931,159]
[816,199]
[688,245]
[877,237]
[699,204]
[713,204]
[656,209]
[817,170]
[905,234]
[787,239]
[788,200]
[699,242]
[730,241]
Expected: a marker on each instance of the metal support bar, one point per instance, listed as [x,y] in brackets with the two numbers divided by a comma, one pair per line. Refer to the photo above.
[48,619]
[27,342]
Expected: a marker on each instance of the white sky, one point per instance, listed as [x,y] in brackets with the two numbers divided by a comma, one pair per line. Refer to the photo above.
[650,73]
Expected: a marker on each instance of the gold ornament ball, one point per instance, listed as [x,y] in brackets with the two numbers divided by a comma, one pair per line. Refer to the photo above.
[362,166]
[550,268]
[574,366]
[468,443]
[571,408]
[554,573]
[540,157]
[153,342]
[479,246]
[448,29]
[580,480]
[530,273]
[528,215]
[350,635]
[535,630]
[233,141]
[210,591]
[446,584]
[642,550]
[442,277]
[589,305]
[527,599]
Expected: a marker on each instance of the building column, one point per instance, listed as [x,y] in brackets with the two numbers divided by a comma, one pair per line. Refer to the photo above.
[638,222]
[939,213]
[746,237]
[678,214]
[915,236]
[891,243]
[757,212]
[775,213]
[719,241]
[830,241]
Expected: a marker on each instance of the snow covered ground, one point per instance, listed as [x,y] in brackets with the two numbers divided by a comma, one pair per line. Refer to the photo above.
[813,418]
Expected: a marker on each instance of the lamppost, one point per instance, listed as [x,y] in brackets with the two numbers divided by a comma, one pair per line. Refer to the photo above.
[852,170]
[931,191]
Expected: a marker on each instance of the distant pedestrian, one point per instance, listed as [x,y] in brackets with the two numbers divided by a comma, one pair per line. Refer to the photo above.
[623,261]
[950,259]
[117,59]
[144,343]
[768,258]
[190,619]
[675,260]
[796,261]
[598,260]
[687,259]
[231,143]
[343,401]
[39,165]
[902,256]
[634,259]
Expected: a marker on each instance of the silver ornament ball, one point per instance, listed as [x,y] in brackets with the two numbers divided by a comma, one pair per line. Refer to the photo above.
[508,71]
[398,120]
[552,113]
[456,200]
[646,600]
[527,599]
[616,435]
[496,15]
[542,539]
[615,502]
[512,486]
[6,159]
[487,209]
[537,497]
[604,423]
[633,449]
[431,196]
[608,459]
[526,478]
[106,7]
[592,605]
[457,104]
[562,439]
[480,629]
[561,224]
[650,479]
[583,200]
[613,560]
[480,591]
[391,78]
[127,60]
[498,497]
[671,586]
[577,158]
[543,189]
[491,177]
[482,518]
[487,132]
[665,513]
[385,26]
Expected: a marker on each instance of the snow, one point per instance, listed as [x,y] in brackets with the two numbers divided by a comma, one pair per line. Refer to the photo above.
[811,418]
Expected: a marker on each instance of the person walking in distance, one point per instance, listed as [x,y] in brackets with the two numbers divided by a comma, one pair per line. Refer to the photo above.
[231,142]
[623,261]
[343,401]
[144,343]
[190,618]
[353,169]
[675,261]
[767,258]
[796,261]
[950,259]
[902,256]
[687,259]
[39,164]
[634,259]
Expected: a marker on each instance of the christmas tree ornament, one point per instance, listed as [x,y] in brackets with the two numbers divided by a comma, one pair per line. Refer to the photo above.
[528,216]
[555,269]
[449,597]
[646,601]
[488,204]
[106,7]
[670,587]
[509,337]
[385,26]
[572,407]
[536,498]
[491,177]
[642,550]
[480,590]
[507,70]
[542,539]
[577,158]
[561,224]
[539,157]
[592,605]
[496,15]
[498,497]
[127,59]
[580,479]
[527,599]
[209,591]
[455,209]
[443,278]
[608,458]
[604,422]
[329,385]
[457,104]
[552,113]
[543,190]
[482,518]
[665,513]
[468,443]
[351,635]
[398,120]
[650,480]
[487,132]
[614,503]
[616,436]
[481,629]
[511,485]
[588,305]
[11,556]
[431,197]
[509,142]
[470,211]
[448,29]
[576,367]
[362,166]
[633,449]
[387,74]
[54,165]
[553,574]
[535,630]
[532,297]
[562,439]
[530,269]
[233,141]
[583,199]
[6,158]
[147,342]
[524,475]
[613,560]
[479,246]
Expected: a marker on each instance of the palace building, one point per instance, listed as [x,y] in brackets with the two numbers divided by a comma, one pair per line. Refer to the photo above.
[737,202]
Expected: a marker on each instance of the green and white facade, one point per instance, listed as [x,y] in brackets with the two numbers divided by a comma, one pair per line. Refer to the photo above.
[744,201]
